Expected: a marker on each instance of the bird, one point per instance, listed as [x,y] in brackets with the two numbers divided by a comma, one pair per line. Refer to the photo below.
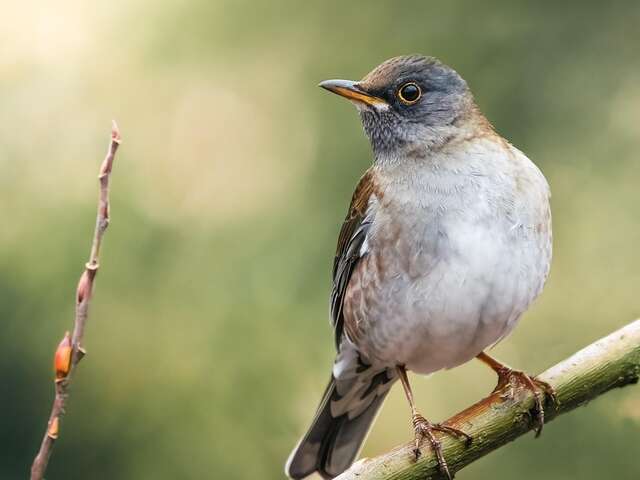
[446,243]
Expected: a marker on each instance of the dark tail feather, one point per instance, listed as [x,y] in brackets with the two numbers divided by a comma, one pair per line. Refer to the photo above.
[333,442]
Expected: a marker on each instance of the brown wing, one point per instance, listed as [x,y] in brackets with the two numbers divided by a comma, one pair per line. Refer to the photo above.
[348,253]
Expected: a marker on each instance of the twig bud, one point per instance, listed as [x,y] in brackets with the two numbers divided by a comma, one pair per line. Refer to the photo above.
[62,358]
[85,284]
[115,132]
[52,431]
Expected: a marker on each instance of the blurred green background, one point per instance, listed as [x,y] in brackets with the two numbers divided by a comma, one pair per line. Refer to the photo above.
[209,343]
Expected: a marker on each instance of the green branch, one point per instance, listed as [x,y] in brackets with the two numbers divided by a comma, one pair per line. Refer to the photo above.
[611,362]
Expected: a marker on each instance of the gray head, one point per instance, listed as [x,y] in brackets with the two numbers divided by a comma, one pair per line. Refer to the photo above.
[409,103]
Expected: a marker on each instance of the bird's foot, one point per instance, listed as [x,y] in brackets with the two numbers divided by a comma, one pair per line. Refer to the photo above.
[512,379]
[425,429]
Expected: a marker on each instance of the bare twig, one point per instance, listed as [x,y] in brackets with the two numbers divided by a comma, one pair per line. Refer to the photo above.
[611,362]
[70,351]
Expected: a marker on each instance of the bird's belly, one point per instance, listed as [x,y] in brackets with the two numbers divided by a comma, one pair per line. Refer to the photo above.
[449,301]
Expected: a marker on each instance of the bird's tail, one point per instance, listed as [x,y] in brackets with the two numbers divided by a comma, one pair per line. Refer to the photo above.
[348,408]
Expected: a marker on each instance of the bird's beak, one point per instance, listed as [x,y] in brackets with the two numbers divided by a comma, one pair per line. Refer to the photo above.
[352,91]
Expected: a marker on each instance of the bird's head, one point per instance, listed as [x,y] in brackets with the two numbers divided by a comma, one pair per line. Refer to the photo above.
[409,104]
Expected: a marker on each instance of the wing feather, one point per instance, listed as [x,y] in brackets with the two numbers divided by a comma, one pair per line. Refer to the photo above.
[349,250]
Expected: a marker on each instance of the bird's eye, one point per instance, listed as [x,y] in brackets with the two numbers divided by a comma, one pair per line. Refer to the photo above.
[409,93]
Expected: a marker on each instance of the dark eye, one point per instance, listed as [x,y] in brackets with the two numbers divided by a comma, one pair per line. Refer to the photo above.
[409,93]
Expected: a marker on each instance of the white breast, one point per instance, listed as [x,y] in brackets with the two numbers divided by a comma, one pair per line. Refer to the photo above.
[457,251]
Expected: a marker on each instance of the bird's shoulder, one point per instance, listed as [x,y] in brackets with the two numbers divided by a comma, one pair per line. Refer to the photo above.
[366,187]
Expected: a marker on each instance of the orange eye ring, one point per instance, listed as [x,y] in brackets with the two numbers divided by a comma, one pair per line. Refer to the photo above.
[409,93]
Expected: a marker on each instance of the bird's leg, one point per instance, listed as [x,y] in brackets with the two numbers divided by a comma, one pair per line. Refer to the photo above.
[423,428]
[508,377]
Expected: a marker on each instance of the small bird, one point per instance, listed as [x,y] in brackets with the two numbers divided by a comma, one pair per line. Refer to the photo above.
[446,243]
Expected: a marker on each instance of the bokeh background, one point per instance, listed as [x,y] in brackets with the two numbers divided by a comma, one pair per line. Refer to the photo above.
[209,343]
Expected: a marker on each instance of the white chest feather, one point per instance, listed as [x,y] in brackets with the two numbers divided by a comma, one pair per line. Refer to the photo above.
[456,252]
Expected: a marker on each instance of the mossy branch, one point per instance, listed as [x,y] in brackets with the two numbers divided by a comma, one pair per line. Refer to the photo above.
[611,362]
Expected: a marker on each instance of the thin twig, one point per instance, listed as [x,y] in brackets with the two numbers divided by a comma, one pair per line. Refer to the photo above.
[70,351]
[611,362]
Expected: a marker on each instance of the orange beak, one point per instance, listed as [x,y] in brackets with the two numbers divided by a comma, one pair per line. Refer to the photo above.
[352,91]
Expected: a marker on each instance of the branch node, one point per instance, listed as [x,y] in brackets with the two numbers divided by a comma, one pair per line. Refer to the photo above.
[81,353]
[92,267]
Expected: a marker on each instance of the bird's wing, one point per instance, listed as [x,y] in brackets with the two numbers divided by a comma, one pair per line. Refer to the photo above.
[356,389]
[349,251]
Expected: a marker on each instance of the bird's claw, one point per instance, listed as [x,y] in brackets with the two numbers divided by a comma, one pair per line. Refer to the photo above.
[425,429]
[540,389]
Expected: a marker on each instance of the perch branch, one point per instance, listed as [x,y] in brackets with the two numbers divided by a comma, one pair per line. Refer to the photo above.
[70,351]
[611,362]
